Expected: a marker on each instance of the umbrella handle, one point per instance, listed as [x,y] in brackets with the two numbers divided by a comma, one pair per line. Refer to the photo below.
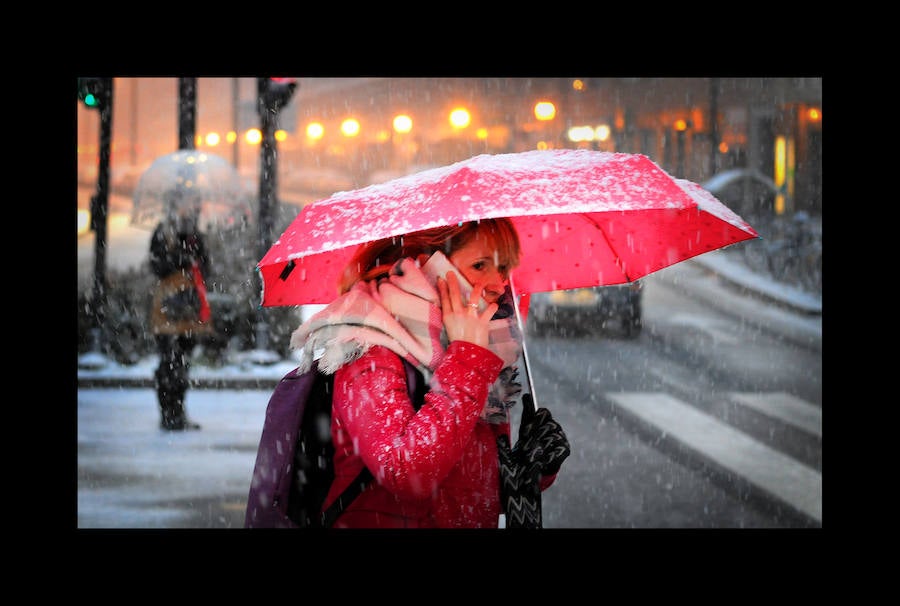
[533,400]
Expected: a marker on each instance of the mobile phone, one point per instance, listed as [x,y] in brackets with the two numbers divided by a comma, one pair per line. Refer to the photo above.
[438,265]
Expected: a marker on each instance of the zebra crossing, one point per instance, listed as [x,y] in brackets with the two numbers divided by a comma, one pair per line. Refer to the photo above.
[777,474]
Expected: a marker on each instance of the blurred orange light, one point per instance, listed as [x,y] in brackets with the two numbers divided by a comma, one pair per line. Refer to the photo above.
[314,130]
[402,123]
[350,127]
[253,136]
[680,125]
[460,118]
[544,110]
[814,114]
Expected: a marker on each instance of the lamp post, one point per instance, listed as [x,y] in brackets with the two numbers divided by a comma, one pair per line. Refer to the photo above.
[187,112]
[97,93]
[272,95]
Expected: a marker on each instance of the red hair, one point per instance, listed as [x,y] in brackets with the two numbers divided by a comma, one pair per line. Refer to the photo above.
[374,259]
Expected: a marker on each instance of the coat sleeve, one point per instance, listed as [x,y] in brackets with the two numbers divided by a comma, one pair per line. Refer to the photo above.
[411,452]
[161,261]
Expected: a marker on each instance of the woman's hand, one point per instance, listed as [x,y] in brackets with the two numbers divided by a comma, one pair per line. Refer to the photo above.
[461,318]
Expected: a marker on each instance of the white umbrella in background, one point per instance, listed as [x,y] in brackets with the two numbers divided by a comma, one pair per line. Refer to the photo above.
[201,179]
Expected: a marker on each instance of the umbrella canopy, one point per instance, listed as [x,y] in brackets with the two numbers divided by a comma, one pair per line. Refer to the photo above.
[188,178]
[584,218]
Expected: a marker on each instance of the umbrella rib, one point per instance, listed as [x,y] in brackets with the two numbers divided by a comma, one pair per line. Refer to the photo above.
[618,258]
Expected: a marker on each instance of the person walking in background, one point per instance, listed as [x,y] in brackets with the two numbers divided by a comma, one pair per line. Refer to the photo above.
[438,299]
[180,312]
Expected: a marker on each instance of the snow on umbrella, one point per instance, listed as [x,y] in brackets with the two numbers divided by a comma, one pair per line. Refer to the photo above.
[188,177]
[584,218]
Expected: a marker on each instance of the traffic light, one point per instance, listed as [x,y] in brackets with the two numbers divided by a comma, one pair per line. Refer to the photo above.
[277,92]
[93,92]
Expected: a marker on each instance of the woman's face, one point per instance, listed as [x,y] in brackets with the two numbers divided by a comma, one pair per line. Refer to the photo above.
[477,261]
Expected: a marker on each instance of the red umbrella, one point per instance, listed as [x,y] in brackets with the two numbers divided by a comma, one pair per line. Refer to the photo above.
[585,218]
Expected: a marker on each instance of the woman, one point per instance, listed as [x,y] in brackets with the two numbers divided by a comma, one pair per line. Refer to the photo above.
[435,458]
[177,315]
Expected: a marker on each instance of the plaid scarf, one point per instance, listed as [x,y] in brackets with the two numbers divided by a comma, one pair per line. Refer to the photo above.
[402,312]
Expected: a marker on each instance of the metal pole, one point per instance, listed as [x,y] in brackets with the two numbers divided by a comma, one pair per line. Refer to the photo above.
[187,112]
[268,177]
[267,187]
[99,206]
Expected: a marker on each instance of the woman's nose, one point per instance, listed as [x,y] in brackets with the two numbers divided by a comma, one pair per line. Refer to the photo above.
[496,282]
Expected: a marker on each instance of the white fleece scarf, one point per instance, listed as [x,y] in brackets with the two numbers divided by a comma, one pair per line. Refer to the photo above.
[401,312]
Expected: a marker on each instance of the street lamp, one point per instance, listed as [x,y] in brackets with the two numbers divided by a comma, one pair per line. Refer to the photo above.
[460,118]
[272,95]
[350,127]
[314,131]
[97,93]
[544,110]
[402,123]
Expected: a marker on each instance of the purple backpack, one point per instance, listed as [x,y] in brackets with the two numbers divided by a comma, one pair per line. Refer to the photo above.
[295,460]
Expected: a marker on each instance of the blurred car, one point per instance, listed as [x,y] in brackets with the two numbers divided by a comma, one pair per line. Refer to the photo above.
[586,309]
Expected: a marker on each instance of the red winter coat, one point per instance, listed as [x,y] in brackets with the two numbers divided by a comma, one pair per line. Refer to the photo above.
[435,468]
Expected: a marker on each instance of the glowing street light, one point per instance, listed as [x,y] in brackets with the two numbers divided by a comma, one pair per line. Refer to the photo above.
[350,127]
[544,110]
[253,136]
[402,123]
[460,118]
[315,131]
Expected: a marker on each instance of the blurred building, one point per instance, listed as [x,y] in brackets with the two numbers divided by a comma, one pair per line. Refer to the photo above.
[339,133]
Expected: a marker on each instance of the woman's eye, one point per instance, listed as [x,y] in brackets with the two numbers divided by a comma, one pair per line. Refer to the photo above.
[479,265]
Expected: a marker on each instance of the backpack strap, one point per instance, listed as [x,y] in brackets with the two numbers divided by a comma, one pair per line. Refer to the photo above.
[355,488]
[337,507]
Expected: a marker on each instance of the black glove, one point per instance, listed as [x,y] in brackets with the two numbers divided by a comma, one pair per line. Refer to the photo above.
[540,450]
[542,440]
[520,490]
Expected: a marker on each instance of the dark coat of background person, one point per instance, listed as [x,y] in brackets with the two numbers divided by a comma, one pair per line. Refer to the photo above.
[173,251]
